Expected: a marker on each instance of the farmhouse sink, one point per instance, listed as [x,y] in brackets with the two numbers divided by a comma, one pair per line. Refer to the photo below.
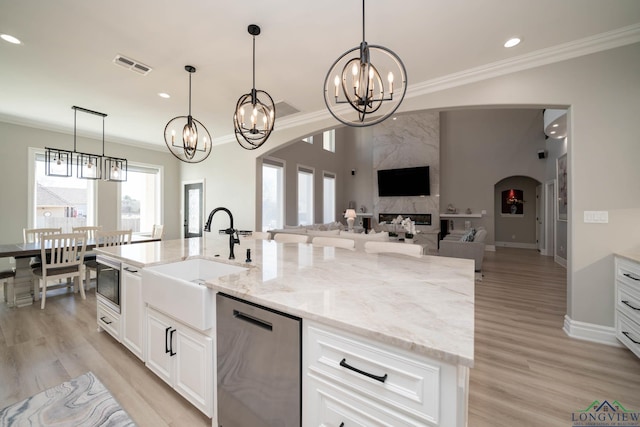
[178,289]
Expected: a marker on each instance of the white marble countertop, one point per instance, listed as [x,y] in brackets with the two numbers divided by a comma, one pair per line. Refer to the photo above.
[425,305]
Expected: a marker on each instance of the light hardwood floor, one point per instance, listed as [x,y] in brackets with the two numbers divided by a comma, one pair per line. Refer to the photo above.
[527,371]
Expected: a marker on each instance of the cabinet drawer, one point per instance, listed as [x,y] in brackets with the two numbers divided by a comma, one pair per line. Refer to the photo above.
[109,321]
[334,407]
[376,371]
[628,272]
[628,332]
[628,301]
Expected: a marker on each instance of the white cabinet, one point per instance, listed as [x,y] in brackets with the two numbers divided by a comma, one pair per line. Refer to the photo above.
[356,381]
[627,279]
[132,316]
[108,320]
[182,357]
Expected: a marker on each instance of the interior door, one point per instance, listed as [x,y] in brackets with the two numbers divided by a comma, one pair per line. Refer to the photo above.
[193,196]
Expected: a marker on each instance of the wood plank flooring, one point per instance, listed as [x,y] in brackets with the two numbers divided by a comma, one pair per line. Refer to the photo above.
[527,371]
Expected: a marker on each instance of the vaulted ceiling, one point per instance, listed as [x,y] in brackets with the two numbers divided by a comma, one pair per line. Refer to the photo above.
[68,47]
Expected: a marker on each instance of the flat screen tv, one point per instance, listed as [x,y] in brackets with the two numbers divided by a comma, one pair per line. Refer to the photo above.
[404,182]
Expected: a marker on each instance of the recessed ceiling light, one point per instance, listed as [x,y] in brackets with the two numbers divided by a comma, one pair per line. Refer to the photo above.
[555,125]
[10,39]
[164,95]
[515,41]
[553,132]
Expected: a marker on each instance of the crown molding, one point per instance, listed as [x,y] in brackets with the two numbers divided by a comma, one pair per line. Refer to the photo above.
[562,52]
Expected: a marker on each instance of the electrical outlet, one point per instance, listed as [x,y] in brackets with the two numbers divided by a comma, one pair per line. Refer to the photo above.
[596,217]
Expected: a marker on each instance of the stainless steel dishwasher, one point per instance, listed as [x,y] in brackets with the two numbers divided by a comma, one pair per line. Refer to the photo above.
[259,365]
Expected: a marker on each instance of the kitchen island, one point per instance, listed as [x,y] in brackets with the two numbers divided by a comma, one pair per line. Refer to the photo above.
[412,318]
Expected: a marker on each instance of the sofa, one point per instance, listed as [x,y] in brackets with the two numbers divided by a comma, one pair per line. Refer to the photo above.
[333,230]
[469,244]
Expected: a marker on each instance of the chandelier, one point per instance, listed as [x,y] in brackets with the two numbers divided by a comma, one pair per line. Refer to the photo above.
[255,112]
[359,93]
[196,143]
[59,162]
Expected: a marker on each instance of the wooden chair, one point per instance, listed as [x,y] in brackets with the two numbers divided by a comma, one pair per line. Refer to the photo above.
[291,238]
[158,231]
[34,235]
[66,260]
[336,242]
[106,239]
[90,230]
[394,247]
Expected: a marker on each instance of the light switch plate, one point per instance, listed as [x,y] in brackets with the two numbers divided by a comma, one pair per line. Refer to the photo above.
[596,217]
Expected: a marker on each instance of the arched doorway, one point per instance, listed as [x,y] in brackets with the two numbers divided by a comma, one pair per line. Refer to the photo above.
[517,207]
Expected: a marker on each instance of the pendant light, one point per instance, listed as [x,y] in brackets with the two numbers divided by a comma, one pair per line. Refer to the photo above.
[359,90]
[59,162]
[196,140]
[255,112]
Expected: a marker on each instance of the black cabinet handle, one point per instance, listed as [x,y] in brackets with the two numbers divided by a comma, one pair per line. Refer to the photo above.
[130,270]
[627,303]
[166,340]
[104,319]
[626,334]
[171,352]
[344,364]
[631,276]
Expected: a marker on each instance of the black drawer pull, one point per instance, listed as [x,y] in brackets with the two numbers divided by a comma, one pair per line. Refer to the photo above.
[344,364]
[631,276]
[130,270]
[171,352]
[166,339]
[628,335]
[627,304]
[104,319]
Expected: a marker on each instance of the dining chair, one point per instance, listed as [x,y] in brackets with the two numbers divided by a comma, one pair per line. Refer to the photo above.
[89,229]
[336,242]
[291,238]
[158,231]
[106,239]
[34,235]
[394,247]
[65,261]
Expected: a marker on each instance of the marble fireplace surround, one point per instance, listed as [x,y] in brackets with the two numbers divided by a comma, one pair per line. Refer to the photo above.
[410,140]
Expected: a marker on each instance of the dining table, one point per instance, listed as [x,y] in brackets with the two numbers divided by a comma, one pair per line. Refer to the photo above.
[19,293]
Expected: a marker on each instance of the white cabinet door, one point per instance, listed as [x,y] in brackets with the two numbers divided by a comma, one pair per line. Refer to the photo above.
[159,346]
[194,368]
[182,357]
[132,311]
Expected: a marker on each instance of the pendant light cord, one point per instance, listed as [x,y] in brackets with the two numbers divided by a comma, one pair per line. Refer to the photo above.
[363,39]
[75,117]
[254,62]
[190,93]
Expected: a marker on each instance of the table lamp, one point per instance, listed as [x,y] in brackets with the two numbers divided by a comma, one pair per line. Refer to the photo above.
[350,214]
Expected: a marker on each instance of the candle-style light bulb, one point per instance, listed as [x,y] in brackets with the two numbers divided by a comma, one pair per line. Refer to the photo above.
[336,82]
[173,136]
[390,78]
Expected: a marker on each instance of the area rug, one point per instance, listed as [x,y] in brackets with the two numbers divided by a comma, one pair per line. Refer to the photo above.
[82,401]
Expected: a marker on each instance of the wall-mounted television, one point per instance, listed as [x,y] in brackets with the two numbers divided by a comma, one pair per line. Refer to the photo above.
[404,182]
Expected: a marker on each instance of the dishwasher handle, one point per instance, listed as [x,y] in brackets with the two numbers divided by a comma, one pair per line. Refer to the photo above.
[253,320]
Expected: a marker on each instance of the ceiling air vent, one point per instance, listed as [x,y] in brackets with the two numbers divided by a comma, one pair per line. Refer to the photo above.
[283,109]
[132,64]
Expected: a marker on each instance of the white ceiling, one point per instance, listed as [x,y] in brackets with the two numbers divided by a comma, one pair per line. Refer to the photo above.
[67,49]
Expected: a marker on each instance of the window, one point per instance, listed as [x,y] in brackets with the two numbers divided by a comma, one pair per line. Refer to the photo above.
[140,204]
[329,140]
[329,197]
[308,139]
[272,194]
[305,196]
[54,202]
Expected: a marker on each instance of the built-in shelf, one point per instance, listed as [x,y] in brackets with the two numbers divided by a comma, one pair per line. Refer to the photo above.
[462,215]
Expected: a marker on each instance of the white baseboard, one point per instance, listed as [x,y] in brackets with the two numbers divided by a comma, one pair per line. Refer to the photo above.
[489,248]
[561,261]
[590,332]
[518,245]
